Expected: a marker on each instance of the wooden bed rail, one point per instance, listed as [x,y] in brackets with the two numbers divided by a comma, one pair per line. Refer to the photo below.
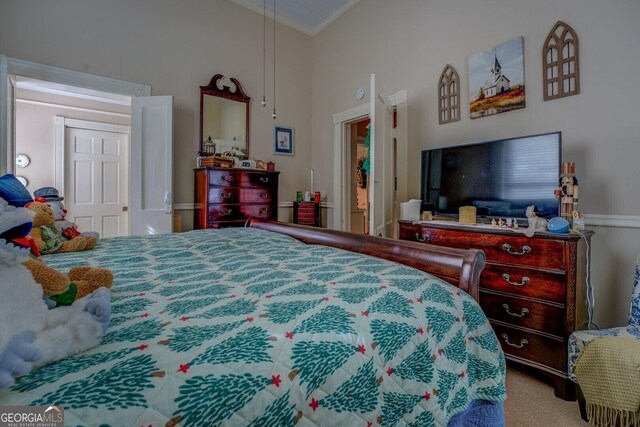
[459,267]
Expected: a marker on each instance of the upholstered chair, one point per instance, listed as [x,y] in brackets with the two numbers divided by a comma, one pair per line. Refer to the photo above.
[626,345]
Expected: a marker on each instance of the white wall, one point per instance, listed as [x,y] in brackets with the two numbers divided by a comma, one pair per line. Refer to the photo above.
[409,42]
[176,46]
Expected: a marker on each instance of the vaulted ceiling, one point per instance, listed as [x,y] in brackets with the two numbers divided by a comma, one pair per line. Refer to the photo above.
[308,16]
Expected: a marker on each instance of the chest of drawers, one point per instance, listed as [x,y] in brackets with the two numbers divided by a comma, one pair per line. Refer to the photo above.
[227,197]
[533,290]
[306,213]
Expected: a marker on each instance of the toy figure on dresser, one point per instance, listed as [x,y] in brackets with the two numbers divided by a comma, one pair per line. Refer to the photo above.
[536,221]
[568,191]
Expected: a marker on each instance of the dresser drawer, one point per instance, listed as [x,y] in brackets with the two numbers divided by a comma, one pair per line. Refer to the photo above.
[223,195]
[525,313]
[533,347]
[241,195]
[239,212]
[264,211]
[524,282]
[235,178]
[511,249]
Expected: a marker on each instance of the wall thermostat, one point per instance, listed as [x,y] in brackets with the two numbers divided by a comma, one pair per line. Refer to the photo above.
[360,93]
[22,160]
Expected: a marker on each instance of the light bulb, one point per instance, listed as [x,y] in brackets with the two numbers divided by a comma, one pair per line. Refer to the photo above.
[274,114]
[264,102]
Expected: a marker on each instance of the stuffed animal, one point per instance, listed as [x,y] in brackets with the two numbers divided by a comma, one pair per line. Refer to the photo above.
[78,283]
[47,237]
[68,228]
[536,221]
[32,335]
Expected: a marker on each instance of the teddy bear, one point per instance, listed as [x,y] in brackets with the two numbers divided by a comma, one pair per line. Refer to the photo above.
[57,287]
[31,334]
[68,228]
[47,237]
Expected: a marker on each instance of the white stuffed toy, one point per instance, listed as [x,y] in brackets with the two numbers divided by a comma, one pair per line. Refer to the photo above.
[536,221]
[32,335]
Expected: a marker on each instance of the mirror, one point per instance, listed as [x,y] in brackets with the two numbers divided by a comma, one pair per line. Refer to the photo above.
[224,117]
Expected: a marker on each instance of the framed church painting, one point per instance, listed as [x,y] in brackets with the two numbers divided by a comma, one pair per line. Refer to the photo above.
[496,79]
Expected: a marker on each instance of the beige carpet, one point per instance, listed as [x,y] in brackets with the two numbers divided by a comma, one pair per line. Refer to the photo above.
[531,403]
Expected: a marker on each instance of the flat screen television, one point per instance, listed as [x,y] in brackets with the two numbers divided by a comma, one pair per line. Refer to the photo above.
[500,178]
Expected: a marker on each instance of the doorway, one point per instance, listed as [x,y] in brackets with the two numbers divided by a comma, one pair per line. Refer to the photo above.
[150,156]
[85,160]
[95,175]
[343,122]
[359,178]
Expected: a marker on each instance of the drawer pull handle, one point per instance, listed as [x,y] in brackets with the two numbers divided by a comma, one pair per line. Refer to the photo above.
[225,195]
[226,178]
[523,342]
[523,312]
[264,179]
[264,195]
[525,280]
[264,210]
[507,247]
[226,212]
[422,238]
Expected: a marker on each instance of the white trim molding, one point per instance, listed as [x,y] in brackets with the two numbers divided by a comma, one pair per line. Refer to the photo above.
[306,29]
[620,221]
[69,107]
[281,205]
[290,205]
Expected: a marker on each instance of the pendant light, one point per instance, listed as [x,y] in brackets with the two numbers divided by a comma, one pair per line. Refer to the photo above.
[264,52]
[274,60]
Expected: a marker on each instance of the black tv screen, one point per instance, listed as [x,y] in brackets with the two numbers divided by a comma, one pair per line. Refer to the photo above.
[500,178]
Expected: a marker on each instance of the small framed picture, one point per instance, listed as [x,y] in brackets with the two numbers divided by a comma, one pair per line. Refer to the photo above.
[283,140]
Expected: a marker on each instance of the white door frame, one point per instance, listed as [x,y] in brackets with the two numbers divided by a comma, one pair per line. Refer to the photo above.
[61,123]
[341,122]
[18,67]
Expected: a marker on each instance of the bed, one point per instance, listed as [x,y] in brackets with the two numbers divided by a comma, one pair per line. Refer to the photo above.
[275,324]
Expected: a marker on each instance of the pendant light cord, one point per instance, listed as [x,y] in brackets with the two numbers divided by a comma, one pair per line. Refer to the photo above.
[264,52]
[274,60]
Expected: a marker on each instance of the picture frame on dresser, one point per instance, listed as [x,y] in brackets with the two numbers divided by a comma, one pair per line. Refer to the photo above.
[283,140]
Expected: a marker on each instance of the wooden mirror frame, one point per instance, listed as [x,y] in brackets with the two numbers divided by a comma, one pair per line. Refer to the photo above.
[237,94]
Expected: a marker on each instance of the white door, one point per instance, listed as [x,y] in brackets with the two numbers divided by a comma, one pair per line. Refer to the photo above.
[96,164]
[151,171]
[381,162]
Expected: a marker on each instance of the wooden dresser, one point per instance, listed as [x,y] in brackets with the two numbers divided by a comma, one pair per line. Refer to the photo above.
[227,197]
[533,290]
[306,213]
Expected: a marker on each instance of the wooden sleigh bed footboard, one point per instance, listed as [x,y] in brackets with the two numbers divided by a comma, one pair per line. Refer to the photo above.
[459,267]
